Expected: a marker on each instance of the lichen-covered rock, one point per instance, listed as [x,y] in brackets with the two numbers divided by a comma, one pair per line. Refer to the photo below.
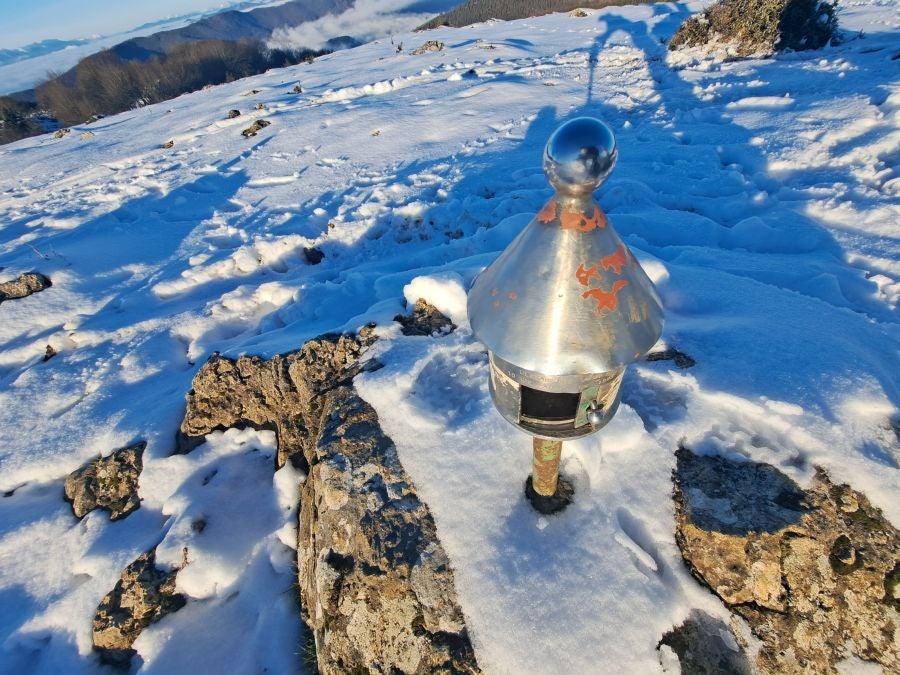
[142,596]
[254,128]
[23,286]
[109,483]
[760,27]
[425,319]
[429,46]
[376,586]
[810,571]
[680,359]
[275,395]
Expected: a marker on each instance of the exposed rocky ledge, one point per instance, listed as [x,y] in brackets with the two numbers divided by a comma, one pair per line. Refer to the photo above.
[814,573]
[23,286]
[376,586]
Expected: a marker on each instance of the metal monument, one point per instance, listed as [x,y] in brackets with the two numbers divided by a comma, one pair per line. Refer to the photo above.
[564,310]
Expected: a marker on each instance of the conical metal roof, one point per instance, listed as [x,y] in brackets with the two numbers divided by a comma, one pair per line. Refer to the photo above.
[567,296]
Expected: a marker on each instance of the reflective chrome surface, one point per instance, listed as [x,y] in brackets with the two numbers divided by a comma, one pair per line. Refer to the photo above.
[579,156]
[567,297]
[594,400]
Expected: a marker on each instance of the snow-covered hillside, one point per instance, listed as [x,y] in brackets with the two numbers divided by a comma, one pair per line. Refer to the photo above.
[761,196]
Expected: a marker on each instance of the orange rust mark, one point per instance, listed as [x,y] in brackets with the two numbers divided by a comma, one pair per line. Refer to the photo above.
[548,213]
[615,261]
[496,304]
[494,293]
[606,299]
[514,296]
[584,276]
[572,220]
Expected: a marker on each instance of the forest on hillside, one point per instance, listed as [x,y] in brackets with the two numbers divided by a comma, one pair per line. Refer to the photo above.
[105,84]
[476,11]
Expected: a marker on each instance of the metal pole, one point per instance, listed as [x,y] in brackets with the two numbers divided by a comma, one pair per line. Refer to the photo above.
[545,466]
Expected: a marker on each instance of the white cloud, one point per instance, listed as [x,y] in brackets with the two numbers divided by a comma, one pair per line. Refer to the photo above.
[368,20]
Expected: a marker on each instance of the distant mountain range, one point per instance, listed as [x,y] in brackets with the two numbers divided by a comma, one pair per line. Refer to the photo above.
[36,49]
[231,25]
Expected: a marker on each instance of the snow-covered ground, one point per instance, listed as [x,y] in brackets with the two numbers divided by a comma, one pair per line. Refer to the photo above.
[761,196]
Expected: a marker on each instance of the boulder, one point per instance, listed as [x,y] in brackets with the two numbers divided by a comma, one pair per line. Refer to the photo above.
[109,483]
[23,286]
[759,27]
[680,359]
[279,394]
[425,319]
[430,46]
[813,572]
[142,596]
[255,127]
[376,586]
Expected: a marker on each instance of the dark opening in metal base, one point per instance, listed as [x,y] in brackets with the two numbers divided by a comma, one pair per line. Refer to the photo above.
[555,503]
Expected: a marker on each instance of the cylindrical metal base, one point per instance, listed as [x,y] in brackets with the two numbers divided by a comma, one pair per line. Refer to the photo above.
[545,466]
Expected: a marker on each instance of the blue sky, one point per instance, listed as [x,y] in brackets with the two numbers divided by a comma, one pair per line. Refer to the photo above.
[36,20]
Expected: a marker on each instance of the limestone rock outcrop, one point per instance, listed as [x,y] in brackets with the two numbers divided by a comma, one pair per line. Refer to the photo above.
[813,572]
[425,319]
[376,586]
[109,483]
[23,286]
[142,596]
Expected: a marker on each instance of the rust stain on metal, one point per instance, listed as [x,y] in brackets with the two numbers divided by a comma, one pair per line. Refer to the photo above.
[615,261]
[494,293]
[606,300]
[573,220]
[513,296]
[584,276]
[548,213]
[496,304]
[545,466]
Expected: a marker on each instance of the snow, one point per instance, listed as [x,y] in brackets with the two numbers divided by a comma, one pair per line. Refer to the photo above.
[761,196]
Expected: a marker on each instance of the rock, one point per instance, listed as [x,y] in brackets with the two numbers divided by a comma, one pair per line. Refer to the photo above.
[233,113]
[86,135]
[141,597]
[425,319]
[706,645]
[62,133]
[376,586]
[298,89]
[681,359]
[259,106]
[251,92]
[23,286]
[812,572]
[759,27]
[430,46]
[167,145]
[49,353]
[313,255]
[255,127]
[273,394]
[109,483]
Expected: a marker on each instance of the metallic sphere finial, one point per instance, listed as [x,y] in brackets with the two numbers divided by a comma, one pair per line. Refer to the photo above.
[579,156]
